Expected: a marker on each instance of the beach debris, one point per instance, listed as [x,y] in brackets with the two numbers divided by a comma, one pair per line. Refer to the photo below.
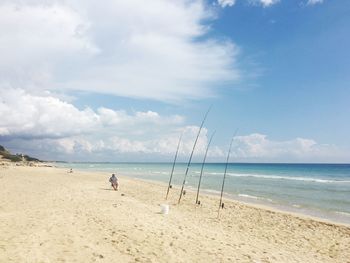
[172,170]
[189,161]
[164,209]
[201,174]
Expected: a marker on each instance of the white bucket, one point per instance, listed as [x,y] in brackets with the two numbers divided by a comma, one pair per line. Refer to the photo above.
[164,209]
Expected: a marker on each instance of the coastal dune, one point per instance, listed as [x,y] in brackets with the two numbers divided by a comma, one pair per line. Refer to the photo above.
[50,215]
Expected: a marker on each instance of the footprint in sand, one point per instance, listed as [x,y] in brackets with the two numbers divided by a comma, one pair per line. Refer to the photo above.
[97,255]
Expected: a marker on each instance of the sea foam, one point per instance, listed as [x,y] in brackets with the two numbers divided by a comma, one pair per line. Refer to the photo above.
[277,177]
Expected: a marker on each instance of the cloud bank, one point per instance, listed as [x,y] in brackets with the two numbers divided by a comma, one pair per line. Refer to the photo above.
[51,128]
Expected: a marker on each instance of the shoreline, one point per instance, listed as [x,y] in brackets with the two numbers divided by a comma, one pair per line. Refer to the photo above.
[230,198]
[330,217]
[50,215]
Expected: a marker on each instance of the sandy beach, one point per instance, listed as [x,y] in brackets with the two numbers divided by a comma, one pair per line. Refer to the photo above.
[50,215]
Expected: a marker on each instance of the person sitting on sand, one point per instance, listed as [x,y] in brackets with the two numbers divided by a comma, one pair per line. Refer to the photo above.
[114,182]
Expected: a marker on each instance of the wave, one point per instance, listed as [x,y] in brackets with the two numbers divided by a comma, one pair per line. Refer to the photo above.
[278,177]
[196,173]
[258,176]
[255,197]
[274,177]
[156,172]
[207,190]
[342,213]
[248,196]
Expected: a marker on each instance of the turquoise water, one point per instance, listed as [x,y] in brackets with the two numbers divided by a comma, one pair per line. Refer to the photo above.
[321,190]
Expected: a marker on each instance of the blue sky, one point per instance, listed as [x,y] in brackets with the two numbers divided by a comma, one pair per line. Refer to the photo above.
[302,52]
[122,81]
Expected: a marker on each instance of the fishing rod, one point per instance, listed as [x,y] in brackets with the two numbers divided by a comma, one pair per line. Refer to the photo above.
[200,177]
[172,170]
[221,205]
[189,161]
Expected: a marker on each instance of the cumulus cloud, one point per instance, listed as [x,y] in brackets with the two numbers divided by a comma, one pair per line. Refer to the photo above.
[113,148]
[160,50]
[51,128]
[162,144]
[43,122]
[259,147]
[26,115]
[248,148]
[38,116]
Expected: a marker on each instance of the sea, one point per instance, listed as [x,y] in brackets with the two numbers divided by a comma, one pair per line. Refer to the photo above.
[319,190]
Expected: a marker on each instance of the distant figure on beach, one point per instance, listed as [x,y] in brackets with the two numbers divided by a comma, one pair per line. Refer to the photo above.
[70,171]
[114,182]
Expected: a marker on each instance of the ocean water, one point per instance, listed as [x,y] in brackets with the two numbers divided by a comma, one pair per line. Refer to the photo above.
[321,190]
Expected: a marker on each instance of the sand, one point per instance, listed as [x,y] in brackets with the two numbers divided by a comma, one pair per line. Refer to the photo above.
[49,215]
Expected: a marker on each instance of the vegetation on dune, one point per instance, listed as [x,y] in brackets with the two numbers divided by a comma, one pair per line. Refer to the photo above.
[5,154]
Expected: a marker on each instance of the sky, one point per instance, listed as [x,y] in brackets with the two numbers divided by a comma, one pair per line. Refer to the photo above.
[120,81]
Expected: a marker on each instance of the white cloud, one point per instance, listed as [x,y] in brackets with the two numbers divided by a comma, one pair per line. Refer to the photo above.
[73,145]
[48,125]
[37,116]
[264,3]
[26,115]
[258,147]
[111,148]
[164,143]
[57,129]
[224,3]
[118,47]
[158,51]
[50,128]
[36,40]
[314,2]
